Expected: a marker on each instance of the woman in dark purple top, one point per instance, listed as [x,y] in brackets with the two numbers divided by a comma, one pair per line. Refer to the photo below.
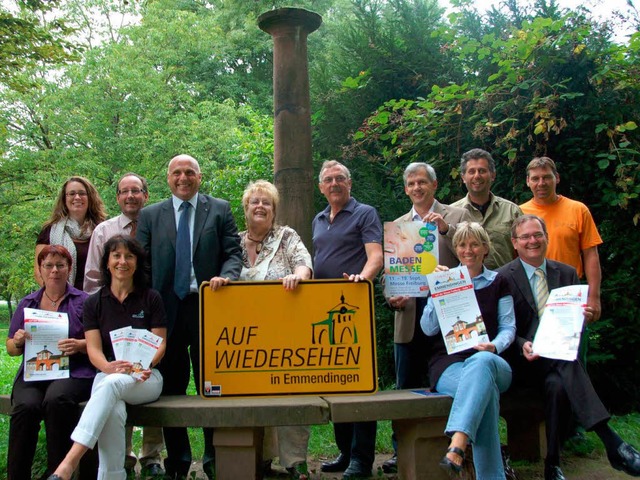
[54,401]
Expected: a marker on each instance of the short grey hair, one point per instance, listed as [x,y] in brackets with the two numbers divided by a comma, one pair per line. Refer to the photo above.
[333,163]
[467,230]
[415,166]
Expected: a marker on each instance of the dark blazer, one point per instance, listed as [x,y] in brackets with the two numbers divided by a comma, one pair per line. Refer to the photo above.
[405,320]
[526,310]
[216,246]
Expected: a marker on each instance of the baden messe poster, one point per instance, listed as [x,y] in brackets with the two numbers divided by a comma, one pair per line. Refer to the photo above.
[410,253]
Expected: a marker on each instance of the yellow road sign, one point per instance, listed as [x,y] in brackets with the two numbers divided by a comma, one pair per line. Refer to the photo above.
[256,339]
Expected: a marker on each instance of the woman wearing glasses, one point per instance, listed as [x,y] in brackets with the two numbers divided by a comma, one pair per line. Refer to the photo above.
[77,211]
[54,401]
[275,252]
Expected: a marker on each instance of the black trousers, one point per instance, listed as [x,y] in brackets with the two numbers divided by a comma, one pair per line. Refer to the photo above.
[55,402]
[357,441]
[182,354]
[568,394]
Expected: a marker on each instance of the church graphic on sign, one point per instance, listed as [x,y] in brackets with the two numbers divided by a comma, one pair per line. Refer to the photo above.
[339,327]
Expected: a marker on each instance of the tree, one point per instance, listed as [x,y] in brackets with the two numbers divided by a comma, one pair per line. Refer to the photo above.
[554,85]
[123,107]
[29,39]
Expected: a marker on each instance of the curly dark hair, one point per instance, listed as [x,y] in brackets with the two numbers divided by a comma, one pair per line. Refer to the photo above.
[131,244]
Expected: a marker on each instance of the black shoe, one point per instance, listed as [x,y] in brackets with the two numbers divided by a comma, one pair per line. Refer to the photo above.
[152,470]
[626,459]
[391,465]
[356,470]
[209,469]
[449,465]
[553,472]
[340,464]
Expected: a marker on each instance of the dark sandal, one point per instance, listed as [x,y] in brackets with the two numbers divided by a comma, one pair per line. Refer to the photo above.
[450,466]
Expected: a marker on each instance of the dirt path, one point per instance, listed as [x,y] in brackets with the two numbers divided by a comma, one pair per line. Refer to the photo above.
[574,468]
[595,467]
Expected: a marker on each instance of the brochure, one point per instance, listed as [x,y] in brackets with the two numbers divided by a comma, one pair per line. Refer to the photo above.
[461,322]
[560,329]
[410,253]
[43,360]
[135,345]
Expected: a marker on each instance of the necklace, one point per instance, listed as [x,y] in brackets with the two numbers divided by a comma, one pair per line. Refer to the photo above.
[259,243]
[53,302]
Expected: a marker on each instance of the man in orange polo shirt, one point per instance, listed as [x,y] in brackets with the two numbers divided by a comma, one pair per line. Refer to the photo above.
[573,236]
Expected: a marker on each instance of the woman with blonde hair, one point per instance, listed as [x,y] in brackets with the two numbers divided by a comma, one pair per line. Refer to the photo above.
[77,211]
[274,252]
[474,377]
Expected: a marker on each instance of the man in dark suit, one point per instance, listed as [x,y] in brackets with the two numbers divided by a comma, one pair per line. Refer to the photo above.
[410,343]
[566,386]
[210,246]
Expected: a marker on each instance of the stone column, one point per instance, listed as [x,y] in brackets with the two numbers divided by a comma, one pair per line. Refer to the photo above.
[293,169]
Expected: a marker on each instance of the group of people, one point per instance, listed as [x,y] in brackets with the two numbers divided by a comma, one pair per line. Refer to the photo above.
[143,269]
[515,255]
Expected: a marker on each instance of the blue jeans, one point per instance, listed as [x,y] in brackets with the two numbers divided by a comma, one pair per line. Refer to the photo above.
[475,386]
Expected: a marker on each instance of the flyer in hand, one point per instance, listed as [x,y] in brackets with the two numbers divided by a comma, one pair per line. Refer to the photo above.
[560,329]
[43,360]
[456,306]
[410,253]
[135,345]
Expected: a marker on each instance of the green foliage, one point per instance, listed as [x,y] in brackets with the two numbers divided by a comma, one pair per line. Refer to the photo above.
[366,53]
[28,40]
[131,105]
[537,85]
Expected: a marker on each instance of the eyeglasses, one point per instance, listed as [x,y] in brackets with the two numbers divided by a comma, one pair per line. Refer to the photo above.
[133,191]
[73,193]
[337,179]
[527,236]
[59,266]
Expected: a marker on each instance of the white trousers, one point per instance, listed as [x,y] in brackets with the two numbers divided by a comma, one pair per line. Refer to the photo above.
[104,417]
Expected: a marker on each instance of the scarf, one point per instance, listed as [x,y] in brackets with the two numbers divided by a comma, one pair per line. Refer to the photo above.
[64,232]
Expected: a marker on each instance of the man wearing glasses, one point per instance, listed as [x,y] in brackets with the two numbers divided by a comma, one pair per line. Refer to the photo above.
[132,194]
[347,242]
[565,386]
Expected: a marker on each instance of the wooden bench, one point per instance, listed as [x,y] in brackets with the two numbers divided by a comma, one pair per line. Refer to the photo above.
[419,422]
